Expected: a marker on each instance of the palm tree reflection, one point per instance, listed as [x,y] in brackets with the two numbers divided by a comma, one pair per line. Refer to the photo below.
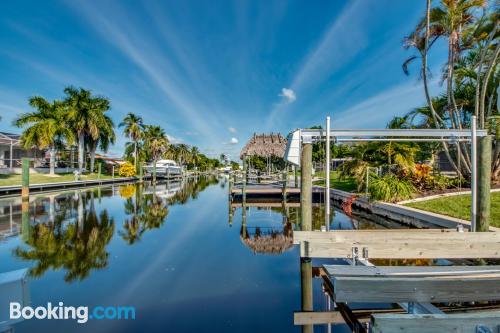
[77,246]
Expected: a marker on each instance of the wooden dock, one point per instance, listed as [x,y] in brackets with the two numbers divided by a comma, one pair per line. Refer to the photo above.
[416,289]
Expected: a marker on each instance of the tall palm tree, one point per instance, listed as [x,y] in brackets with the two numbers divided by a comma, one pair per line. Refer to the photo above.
[156,142]
[86,114]
[45,127]
[106,138]
[133,128]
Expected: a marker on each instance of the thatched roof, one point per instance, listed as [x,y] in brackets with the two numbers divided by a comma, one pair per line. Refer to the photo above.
[274,242]
[265,145]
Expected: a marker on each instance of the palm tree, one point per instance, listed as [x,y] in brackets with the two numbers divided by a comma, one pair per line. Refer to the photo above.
[45,128]
[195,152]
[106,138]
[134,127]
[86,114]
[223,158]
[156,142]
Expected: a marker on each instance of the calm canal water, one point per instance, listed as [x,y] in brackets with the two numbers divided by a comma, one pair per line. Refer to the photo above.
[173,252]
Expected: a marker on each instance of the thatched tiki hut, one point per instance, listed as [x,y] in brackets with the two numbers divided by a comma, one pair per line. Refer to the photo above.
[266,146]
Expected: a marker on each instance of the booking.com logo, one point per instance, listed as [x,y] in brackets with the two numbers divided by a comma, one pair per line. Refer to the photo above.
[61,312]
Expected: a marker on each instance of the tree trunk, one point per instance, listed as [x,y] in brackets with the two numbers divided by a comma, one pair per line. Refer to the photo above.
[52,152]
[154,171]
[92,158]
[135,155]
[426,88]
[81,151]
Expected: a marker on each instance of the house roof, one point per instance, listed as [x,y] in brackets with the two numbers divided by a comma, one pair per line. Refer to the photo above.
[8,138]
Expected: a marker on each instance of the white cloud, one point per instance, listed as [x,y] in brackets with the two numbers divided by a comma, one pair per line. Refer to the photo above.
[234,141]
[288,94]
[174,140]
[232,129]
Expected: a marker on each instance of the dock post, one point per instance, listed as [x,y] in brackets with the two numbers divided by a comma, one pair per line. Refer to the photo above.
[244,183]
[284,176]
[306,185]
[484,184]
[25,219]
[25,191]
[99,169]
[306,289]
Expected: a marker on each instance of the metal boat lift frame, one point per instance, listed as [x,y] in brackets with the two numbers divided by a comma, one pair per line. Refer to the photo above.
[305,136]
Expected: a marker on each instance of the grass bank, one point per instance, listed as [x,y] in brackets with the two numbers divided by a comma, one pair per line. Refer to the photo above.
[347,184]
[458,206]
[12,180]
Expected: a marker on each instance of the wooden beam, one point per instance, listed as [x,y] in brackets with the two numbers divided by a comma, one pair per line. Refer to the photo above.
[408,271]
[377,235]
[411,323]
[417,289]
[317,318]
[400,245]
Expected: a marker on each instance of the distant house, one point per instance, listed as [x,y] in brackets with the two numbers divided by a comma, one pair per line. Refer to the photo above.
[11,151]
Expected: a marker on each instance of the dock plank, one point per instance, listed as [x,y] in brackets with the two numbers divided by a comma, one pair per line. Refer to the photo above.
[408,271]
[411,323]
[396,244]
[417,289]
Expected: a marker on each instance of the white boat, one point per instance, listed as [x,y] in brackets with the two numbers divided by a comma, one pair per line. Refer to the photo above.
[164,168]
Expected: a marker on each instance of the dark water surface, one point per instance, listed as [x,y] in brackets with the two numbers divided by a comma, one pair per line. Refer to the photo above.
[174,255]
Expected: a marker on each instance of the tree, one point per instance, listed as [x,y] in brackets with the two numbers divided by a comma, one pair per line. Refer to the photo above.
[106,138]
[86,116]
[45,127]
[133,128]
[156,142]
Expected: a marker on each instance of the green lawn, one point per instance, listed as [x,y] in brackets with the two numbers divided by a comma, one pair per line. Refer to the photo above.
[459,206]
[345,184]
[9,180]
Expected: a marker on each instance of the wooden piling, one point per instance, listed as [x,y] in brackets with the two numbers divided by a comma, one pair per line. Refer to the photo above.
[306,186]
[25,191]
[306,289]
[484,184]
[99,169]
[25,219]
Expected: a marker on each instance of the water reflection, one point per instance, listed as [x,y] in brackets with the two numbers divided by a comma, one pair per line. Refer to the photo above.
[65,231]
[63,242]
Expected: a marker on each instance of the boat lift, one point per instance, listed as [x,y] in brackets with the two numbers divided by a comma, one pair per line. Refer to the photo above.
[300,137]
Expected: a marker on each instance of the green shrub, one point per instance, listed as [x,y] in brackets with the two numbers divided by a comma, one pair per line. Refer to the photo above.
[390,188]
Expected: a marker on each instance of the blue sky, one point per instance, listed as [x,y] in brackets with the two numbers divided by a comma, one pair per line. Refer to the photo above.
[214,72]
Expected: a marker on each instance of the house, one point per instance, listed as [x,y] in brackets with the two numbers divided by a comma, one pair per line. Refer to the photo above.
[11,151]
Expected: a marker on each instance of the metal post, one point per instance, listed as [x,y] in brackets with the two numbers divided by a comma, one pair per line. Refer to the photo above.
[11,153]
[473,177]
[244,183]
[306,185]
[99,167]
[327,175]
[25,191]
[284,176]
[296,176]
[484,184]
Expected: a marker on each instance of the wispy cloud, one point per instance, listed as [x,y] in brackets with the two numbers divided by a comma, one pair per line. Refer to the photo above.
[232,129]
[136,46]
[234,141]
[343,39]
[288,94]
[395,101]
